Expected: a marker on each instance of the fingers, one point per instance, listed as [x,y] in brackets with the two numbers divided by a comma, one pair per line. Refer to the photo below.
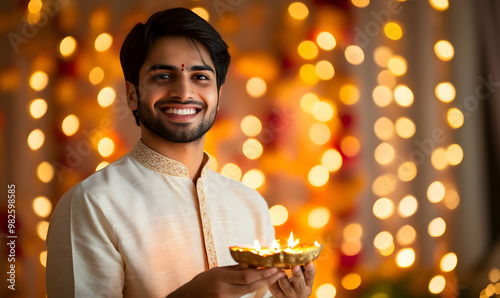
[309,273]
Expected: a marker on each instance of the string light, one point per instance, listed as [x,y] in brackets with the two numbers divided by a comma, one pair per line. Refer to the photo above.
[253,178]
[202,12]
[319,133]
[101,165]
[444,50]
[307,102]
[351,281]
[38,108]
[308,74]
[403,95]
[393,31]
[397,65]
[96,75]
[39,80]
[67,46]
[279,214]
[384,153]
[308,50]
[436,227]
[382,55]
[354,55]
[407,206]
[251,125]
[326,41]
[232,171]
[325,70]
[42,206]
[326,291]
[382,96]
[106,97]
[298,10]
[323,111]
[405,257]
[350,146]
[383,208]
[36,139]
[106,147]
[252,148]
[318,217]
[349,94]
[256,87]
[384,128]
[437,284]
[45,172]
[332,160]
[70,125]
[318,176]
[103,42]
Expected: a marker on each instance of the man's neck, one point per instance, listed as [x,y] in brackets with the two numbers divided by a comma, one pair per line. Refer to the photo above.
[189,154]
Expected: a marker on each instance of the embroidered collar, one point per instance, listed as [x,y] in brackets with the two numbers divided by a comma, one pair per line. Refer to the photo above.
[162,164]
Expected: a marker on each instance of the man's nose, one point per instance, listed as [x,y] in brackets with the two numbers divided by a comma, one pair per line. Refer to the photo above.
[181,88]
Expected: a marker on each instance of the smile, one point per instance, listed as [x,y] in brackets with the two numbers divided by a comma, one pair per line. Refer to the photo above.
[189,111]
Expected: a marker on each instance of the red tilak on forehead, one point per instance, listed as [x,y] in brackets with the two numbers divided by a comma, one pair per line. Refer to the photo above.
[182,69]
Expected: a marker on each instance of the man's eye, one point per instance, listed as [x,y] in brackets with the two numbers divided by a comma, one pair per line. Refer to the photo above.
[162,76]
[200,77]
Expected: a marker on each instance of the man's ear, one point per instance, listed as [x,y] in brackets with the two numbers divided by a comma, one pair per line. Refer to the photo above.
[131,96]
[218,97]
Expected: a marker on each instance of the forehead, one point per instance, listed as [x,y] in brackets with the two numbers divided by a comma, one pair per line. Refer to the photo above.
[177,50]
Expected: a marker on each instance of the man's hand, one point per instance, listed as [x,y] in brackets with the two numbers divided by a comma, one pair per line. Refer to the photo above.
[299,286]
[229,281]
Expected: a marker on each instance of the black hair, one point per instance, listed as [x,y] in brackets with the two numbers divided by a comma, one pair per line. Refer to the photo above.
[172,22]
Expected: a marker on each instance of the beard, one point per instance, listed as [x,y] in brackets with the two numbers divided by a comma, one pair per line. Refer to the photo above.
[177,132]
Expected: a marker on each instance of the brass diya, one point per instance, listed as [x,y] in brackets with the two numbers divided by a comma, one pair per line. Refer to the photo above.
[298,254]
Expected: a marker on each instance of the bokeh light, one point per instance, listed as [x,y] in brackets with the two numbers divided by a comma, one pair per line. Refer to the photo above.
[383,240]
[382,55]
[407,171]
[106,147]
[103,42]
[445,92]
[308,50]
[332,160]
[43,258]
[349,94]
[45,172]
[407,206]
[323,111]
[251,125]
[383,208]
[307,102]
[101,165]
[437,284]
[298,10]
[444,50]
[405,128]
[352,232]
[106,97]
[354,55]
[384,153]
[351,281]
[384,185]
[252,148]
[403,95]
[70,125]
[384,128]
[393,31]
[455,118]
[405,257]
[448,262]
[308,74]
[42,206]
[437,227]
[36,138]
[318,217]
[360,3]
[454,154]
[326,41]
[387,79]
[202,12]
[318,176]
[232,171]
[350,146]
[38,108]
[254,178]
[39,80]
[326,291]
[439,5]
[279,214]
[436,192]
[96,75]
[256,87]
[439,159]
[42,228]
[67,46]
[382,96]
[319,133]
[406,235]
[397,65]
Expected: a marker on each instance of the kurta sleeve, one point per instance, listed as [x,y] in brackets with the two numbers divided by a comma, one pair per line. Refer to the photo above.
[82,255]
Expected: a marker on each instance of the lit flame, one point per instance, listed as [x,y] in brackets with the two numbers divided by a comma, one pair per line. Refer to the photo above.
[291,242]
[256,244]
[316,243]
[275,245]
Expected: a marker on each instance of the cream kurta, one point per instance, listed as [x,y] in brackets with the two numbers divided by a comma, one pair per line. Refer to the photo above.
[134,229]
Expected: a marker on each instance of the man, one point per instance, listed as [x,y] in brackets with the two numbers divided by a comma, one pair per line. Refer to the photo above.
[158,222]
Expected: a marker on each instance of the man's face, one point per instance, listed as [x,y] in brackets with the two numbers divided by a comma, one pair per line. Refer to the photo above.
[178,90]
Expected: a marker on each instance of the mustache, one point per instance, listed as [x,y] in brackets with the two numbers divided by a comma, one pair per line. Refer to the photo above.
[162,102]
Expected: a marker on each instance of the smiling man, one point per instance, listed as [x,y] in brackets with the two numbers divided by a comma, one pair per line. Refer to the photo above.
[158,222]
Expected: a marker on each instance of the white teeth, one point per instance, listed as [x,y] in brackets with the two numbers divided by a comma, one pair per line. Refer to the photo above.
[181,111]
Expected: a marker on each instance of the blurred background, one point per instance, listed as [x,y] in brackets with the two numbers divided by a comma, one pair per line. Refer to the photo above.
[369,126]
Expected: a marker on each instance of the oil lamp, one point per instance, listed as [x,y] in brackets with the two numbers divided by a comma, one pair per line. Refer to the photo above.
[294,253]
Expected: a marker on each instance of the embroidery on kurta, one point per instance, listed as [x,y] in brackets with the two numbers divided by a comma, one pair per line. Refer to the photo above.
[159,163]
